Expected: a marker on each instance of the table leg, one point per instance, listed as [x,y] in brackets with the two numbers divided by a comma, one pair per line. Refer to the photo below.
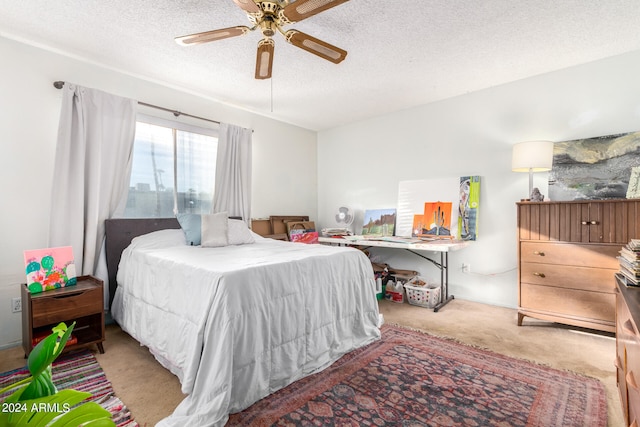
[444,282]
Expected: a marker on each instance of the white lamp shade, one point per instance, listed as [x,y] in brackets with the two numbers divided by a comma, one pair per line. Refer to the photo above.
[532,156]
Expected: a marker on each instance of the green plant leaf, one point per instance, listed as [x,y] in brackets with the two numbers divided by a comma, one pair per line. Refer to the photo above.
[91,414]
[103,422]
[38,403]
[39,412]
[64,333]
[41,355]
[39,365]
[41,386]
[47,350]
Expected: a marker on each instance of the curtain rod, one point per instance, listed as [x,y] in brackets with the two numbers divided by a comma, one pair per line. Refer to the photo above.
[60,84]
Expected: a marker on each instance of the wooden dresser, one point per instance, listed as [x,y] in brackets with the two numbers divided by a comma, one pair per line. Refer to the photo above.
[567,259]
[628,351]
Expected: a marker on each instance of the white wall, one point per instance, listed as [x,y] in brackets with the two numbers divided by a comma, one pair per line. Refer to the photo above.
[29,121]
[362,163]
[359,164]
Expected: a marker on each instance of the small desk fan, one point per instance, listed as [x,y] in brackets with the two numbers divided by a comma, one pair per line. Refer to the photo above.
[344,218]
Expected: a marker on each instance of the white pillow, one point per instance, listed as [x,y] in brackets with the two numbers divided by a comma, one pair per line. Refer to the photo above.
[214,230]
[239,233]
[160,239]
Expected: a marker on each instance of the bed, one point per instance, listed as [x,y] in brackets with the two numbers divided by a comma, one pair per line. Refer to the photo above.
[237,322]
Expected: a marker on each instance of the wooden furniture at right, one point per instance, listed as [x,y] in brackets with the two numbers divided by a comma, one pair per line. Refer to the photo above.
[628,351]
[82,303]
[567,259]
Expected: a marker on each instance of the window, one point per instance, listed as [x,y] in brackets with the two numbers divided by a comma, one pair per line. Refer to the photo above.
[173,169]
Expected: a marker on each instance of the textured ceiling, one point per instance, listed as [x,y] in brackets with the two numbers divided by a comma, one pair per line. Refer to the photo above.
[402,53]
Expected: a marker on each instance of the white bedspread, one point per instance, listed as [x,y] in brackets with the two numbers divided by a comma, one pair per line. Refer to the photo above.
[240,322]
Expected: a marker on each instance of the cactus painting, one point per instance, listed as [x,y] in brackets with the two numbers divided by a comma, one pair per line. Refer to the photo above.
[49,269]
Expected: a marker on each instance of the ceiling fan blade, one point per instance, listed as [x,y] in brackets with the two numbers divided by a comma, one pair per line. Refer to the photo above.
[264,59]
[248,6]
[302,9]
[210,36]
[317,47]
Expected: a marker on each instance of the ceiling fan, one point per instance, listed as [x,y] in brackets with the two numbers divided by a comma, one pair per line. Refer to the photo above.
[269,17]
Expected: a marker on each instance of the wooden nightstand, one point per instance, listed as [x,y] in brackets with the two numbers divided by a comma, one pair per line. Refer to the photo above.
[82,303]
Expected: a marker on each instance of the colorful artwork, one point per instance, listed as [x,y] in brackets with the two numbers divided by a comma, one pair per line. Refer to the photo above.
[50,268]
[593,168]
[412,195]
[379,222]
[633,191]
[436,220]
[418,225]
[468,208]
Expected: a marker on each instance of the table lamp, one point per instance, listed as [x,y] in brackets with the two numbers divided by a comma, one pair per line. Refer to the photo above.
[532,156]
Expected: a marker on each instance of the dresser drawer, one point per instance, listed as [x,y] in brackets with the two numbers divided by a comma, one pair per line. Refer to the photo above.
[562,276]
[603,256]
[569,302]
[71,304]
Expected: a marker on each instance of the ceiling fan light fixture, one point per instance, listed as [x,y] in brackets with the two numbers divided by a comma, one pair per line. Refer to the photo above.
[270,16]
[264,59]
[268,28]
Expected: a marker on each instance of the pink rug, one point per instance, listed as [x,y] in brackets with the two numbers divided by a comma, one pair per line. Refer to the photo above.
[413,379]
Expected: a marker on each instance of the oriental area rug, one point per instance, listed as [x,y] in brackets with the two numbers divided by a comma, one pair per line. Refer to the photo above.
[80,371]
[410,378]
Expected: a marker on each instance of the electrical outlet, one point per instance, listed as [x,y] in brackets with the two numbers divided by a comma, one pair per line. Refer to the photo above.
[466,268]
[16,305]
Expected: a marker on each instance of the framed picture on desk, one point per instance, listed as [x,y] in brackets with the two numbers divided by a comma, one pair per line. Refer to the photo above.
[434,222]
[379,222]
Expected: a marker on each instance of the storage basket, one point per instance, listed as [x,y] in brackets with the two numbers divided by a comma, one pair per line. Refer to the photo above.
[424,296]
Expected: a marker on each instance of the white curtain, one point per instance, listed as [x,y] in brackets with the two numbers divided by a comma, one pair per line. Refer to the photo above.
[92,170]
[233,172]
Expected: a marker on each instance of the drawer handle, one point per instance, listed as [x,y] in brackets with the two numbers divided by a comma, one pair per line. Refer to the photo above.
[589,222]
[617,363]
[631,380]
[628,327]
[539,253]
[69,295]
[594,222]
[539,274]
[584,223]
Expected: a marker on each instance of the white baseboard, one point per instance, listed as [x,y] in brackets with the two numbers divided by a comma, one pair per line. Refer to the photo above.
[9,345]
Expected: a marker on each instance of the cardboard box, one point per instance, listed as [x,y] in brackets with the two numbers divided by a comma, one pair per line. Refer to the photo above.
[261,226]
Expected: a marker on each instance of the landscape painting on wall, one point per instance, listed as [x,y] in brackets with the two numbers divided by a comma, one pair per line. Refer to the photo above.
[594,168]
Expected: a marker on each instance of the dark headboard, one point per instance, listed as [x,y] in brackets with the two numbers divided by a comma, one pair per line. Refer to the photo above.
[120,232]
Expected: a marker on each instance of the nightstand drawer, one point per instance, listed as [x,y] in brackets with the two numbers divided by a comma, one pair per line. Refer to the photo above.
[73,303]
